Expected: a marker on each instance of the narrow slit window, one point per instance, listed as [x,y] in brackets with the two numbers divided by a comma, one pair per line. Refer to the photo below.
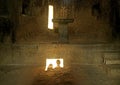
[50,17]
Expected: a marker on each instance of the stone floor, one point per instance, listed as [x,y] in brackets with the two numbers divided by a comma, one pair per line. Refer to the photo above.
[35,75]
[80,72]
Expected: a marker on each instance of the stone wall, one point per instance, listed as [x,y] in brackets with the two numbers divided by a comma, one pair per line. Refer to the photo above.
[86,25]
[36,54]
[97,26]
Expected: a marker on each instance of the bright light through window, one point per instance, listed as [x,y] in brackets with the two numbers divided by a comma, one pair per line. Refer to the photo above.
[50,17]
[53,62]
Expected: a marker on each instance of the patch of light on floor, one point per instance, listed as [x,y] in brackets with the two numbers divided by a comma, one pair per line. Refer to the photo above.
[53,62]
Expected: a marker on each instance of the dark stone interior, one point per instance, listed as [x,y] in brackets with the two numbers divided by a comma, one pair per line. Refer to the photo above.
[89,44]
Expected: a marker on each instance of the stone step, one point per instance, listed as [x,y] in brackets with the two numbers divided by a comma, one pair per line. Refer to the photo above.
[113,70]
[114,73]
[112,62]
[111,57]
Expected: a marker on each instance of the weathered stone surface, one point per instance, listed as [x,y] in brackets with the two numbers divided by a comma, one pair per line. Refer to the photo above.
[82,64]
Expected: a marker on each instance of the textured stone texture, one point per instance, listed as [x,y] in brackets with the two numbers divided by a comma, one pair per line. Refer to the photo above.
[85,25]
[83,64]
[23,63]
[71,53]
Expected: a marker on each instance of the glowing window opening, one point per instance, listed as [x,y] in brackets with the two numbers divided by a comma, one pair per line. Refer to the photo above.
[50,17]
[53,62]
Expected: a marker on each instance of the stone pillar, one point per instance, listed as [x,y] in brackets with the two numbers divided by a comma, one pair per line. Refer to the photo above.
[14,14]
[63,33]
[63,29]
